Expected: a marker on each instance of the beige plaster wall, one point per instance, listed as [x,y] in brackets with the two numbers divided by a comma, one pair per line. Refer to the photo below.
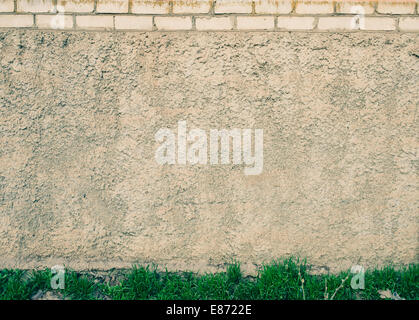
[79,184]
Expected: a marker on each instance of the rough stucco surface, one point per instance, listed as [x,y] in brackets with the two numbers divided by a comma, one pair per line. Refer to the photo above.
[79,184]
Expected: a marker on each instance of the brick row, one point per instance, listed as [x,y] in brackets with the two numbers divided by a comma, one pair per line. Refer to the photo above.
[206,23]
[156,7]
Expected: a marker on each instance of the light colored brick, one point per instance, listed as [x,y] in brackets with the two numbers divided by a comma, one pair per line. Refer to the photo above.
[255,23]
[311,7]
[94,22]
[173,23]
[273,6]
[377,24]
[75,5]
[396,8]
[296,23]
[7,6]
[409,24]
[16,21]
[233,6]
[35,6]
[355,7]
[150,7]
[58,21]
[191,6]
[337,23]
[134,23]
[112,6]
[214,23]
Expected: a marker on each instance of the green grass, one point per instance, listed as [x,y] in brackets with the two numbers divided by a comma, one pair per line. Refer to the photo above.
[283,279]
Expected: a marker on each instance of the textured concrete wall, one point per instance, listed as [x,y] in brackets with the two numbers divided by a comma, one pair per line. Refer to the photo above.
[211,15]
[79,184]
